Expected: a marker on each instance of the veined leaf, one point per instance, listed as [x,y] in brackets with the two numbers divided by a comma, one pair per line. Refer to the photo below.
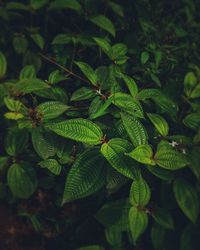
[131,84]
[56,76]
[104,45]
[30,85]
[104,23]
[88,72]
[27,72]
[79,130]
[113,237]
[140,193]
[22,180]
[160,123]
[168,158]
[115,215]
[12,104]
[135,129]
[187,198]
[147,94]
[114,152]
[138,222]
[128,104]
[52,109]
[85,177]
[192,121]
[3,65]
[52,165]
[83,93]
[44,143]
[16,141]
[164,218]
[143,154]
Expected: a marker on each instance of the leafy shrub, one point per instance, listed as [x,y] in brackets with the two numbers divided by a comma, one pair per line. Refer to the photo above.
[100,108]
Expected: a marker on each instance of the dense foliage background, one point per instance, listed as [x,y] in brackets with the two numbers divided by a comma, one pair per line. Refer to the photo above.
[100,124]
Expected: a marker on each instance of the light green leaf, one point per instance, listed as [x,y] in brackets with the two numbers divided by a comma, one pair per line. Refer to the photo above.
[86,176]
[30,85]
[140,193]
[52,109]
[128,103]
[88,72]
[114,151]
[169,158]
[13,115]
[160,123]
[104,23]
[138,222]
[52,165]
[22,180]
[79,130]
[135,129]
[143,154]
[187,198]
[27,72]
[12,104]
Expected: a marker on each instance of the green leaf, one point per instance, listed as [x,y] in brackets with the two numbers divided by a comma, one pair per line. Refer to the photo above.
[85,177]
[144,57]
[113,237]
[37,4]
[138,222]
[148,94]
[164,218]
[190,82]
[3,65]
[56,76]
[128,104]
[116,8]
[27,72]
[114,151]
[91,247]
[12,104]
[52,165]
[169,158]
[20,44]
[30,85]
[104,23]
[38,39]
[160,123]
[158,236]
[140,193]
[104,45]
[192,120]
[88,72]
[99,107]
[62,4]
[16,141]
[44,143]
[22,180]
[143,154]
[52,109]
[195,92]
[187,198]
[114,215]
[131,84]
[61,39]
[13,115]
[79,130]
[135,129]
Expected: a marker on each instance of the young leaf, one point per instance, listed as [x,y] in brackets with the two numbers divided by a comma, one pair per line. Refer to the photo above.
[143,154]
[128,104]
[15,141]
[85,177]
[169,158]
[52,165]
[187,198]
[104,23]
[22,180]
[3,65]
[52,109]
[79,130]
[12,104]
[160,123]
[140,193]
[135,130]
[88,72]
[138,222]
[114,151]
[164,218]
